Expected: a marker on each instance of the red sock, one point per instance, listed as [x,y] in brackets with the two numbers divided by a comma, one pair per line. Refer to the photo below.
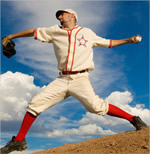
[117,112]
[26,124]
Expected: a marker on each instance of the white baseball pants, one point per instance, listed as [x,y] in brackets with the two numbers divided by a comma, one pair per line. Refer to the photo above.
[77,85]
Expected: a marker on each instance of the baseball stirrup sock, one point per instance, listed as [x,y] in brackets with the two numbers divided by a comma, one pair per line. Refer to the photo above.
[117,112]
[26,124]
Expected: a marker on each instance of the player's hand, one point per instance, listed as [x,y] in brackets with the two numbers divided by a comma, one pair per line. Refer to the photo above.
[8,47]
[134,39]
[5,41]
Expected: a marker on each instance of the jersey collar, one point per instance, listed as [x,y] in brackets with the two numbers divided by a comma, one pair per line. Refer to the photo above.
[68,29]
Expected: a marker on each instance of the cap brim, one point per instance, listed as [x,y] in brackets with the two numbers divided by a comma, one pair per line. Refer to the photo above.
[59,12]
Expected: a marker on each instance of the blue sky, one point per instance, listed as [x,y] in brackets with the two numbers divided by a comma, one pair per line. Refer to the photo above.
[121,74]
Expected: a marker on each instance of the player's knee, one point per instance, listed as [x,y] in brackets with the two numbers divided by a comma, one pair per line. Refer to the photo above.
[95,109]
[99,107]
[32,111]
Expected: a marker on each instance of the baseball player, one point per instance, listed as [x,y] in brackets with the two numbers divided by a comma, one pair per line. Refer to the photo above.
[73,46]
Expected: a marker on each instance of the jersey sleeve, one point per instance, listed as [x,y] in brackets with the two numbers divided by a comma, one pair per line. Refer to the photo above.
[43,34]
[98,41]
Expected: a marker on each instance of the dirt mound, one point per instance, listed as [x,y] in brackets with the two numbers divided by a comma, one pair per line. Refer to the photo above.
[123,143]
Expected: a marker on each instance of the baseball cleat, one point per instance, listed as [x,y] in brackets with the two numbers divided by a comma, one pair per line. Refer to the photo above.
[138,123]
[14,146]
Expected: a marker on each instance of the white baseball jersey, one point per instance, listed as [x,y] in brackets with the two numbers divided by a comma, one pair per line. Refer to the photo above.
[73,48]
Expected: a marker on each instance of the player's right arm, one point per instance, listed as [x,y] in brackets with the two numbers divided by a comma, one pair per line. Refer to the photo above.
[25,33]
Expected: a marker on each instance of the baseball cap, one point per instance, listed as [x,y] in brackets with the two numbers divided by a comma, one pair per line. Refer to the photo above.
[66,10]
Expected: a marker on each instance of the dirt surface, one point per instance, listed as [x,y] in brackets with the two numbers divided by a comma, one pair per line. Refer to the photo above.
[131,142]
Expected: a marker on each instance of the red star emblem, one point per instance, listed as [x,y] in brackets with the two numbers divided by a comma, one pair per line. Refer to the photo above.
[82,41]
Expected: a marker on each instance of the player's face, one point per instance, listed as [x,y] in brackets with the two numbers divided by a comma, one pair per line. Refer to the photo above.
[65,18]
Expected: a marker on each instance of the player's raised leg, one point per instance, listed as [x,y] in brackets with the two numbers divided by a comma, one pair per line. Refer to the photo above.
[93,103]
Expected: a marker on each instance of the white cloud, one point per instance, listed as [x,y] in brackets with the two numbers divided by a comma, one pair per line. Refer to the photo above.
[121,98]
[26,151]
[85,131]
[16,91]
[63,119]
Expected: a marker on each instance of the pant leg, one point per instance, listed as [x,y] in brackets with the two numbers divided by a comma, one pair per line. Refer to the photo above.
[82,90]
[55,92]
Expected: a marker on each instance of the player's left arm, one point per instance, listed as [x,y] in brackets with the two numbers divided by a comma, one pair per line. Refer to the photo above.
[125,41]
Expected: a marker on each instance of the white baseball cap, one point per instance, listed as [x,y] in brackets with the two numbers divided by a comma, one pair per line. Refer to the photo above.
[66,10]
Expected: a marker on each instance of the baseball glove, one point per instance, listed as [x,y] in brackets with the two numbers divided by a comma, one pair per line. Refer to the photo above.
[9,48]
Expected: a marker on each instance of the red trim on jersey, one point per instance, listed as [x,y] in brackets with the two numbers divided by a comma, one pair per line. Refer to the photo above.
[74,48]
[69,29]
[69,35]
[110,44]
[35,34]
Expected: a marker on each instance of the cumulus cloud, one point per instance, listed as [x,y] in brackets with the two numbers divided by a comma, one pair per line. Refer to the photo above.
[85,131]
[16,91]
[117,97]
[124,99]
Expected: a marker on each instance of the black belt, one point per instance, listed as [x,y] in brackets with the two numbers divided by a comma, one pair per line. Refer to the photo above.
[72,72]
